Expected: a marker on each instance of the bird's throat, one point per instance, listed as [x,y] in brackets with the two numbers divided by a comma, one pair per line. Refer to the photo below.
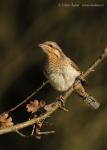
[54,60]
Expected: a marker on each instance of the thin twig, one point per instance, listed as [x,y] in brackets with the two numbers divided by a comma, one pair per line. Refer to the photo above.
[21,134]
[56,104]
[29,97]
[96,63]
[46,132]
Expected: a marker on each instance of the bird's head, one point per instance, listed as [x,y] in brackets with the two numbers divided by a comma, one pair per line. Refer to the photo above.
[50,48]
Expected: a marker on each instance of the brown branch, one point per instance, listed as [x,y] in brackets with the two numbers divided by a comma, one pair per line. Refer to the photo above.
[55,105]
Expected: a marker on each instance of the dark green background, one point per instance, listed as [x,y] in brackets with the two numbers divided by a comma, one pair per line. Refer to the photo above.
[82,33]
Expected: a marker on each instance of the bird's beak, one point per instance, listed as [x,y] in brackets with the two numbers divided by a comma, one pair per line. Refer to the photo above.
[40,45]
[44,47]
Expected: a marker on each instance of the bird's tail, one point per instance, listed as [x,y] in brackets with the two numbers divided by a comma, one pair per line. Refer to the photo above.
[89,100]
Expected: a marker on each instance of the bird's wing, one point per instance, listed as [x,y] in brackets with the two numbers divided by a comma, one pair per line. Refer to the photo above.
[74,65]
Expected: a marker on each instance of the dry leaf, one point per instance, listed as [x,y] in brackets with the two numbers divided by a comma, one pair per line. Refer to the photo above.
[35,105]
[50,107]
[42,103]
[5,120]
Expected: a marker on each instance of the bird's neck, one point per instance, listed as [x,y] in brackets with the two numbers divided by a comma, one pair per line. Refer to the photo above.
[53,60]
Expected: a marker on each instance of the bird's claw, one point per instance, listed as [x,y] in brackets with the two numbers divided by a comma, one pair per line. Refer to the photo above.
[82,79]
[62,103]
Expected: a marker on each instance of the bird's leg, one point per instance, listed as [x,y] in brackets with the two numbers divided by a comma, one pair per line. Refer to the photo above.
[61,100]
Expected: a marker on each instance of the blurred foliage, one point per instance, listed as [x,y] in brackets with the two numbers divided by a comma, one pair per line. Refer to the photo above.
[82,33]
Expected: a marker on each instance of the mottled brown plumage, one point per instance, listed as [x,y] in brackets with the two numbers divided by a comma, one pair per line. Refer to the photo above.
[62,71]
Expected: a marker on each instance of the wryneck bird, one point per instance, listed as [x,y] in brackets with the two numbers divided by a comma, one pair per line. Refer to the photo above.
[62,72]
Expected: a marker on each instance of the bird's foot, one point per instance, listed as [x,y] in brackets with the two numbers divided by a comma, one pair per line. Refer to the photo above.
[62,103]
[83,80]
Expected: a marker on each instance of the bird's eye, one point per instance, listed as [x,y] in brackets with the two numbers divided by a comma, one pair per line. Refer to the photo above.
[50,45]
